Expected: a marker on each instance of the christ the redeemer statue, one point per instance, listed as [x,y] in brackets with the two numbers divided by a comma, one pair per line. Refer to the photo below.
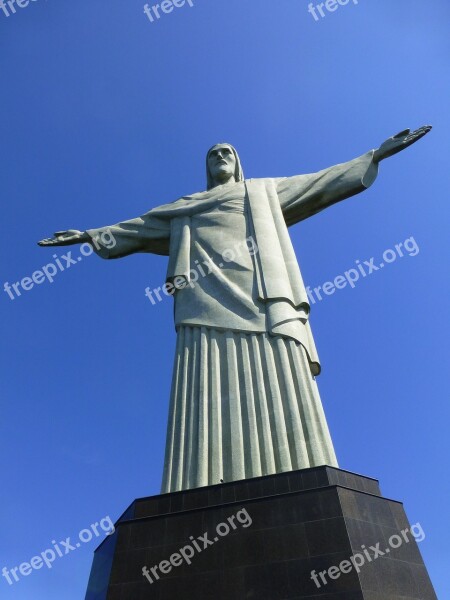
[244,399]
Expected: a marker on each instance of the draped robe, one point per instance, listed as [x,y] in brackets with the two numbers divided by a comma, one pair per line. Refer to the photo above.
[244,400]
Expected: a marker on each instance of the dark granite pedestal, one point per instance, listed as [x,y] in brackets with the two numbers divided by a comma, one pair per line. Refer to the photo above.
[302,521]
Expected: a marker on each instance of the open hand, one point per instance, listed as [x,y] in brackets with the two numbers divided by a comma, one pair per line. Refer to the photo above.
[399,142]
[65,238]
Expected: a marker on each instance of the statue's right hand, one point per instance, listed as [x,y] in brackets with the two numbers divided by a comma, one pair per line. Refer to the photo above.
[65,238]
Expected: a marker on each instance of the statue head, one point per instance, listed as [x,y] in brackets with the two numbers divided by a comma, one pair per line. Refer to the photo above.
[222,164]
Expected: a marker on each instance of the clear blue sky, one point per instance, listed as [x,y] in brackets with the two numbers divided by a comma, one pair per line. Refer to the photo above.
[105,115]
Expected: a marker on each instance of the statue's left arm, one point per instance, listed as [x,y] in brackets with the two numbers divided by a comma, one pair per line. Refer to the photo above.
[305,195]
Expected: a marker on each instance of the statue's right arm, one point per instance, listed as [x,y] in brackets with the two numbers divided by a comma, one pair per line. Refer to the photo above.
[143,234]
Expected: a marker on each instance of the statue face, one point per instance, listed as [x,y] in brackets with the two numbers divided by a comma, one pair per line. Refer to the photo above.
[222,163]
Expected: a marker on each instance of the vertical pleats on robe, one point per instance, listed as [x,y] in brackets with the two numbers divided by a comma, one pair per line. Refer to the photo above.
[242,405]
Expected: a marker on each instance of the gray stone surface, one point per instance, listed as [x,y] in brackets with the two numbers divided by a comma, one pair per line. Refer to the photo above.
[249,405]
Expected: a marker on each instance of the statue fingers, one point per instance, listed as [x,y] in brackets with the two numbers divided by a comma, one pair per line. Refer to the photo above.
[416,135]
[66,234]
[401,134]
[422,130]
[46,242]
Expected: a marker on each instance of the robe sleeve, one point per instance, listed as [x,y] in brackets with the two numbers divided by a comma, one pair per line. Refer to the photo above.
[143,234]
[303,196]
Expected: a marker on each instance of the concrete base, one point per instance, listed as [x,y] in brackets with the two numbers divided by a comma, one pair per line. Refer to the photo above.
[301,521]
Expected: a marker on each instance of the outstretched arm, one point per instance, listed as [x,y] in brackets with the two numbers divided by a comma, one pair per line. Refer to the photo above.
[144,234]
[305,195]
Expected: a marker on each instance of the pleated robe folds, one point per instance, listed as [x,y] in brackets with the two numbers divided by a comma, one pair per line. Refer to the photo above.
[244,400]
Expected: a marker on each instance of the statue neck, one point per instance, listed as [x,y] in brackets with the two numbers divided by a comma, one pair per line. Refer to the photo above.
[228,183]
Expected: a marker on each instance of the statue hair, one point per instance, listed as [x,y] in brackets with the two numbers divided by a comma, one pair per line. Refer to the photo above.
[238,175]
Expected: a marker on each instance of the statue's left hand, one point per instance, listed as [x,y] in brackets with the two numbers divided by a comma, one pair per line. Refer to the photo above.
[399,142]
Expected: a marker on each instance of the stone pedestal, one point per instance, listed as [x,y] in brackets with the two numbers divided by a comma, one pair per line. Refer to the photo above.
[301,521]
